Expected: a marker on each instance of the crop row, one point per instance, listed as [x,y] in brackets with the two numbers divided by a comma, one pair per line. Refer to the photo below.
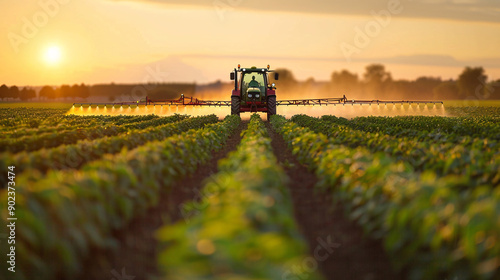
[71,120]
[243,227]
[15,117]
[473,110]
[62,127]
[436,228]
[75,134]
[153,122]
[392,129]
[33,118]
[75,155]
[420,126]
[67,215]
[477,159]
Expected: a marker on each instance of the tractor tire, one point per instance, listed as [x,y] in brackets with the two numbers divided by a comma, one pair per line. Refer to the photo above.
[271,106]
[235,105]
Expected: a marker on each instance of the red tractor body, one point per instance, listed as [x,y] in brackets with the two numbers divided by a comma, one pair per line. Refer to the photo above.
[252,91]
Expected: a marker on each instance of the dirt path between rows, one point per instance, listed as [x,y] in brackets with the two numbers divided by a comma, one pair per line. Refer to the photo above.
[352,256]
[136,256]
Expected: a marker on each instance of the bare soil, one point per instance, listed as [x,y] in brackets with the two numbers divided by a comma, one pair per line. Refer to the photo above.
[354,256]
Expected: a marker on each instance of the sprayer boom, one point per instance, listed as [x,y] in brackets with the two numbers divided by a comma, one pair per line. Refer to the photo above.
[191,101]
[343,100]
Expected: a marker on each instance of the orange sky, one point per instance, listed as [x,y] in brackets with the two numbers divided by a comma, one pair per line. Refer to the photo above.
[102,41]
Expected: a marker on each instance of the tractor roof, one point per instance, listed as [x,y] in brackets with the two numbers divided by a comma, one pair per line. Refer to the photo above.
[254,69]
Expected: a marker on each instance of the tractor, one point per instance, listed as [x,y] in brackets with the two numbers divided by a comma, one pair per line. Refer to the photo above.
[252,91]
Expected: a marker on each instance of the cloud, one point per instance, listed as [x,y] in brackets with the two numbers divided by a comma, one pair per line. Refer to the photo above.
[464,10]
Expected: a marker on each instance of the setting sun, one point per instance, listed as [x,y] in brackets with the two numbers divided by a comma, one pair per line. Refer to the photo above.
[53,55]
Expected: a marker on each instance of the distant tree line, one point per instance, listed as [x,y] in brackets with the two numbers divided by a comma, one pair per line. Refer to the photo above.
[24,94]
[64,91]
[106,92]
[131,92]
[377,83]
[46,92]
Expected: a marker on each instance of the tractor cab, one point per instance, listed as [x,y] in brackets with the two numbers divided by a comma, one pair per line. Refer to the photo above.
[252,91]
[254,85]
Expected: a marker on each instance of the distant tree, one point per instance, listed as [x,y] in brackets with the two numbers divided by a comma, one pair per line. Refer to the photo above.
[27,94]
[494,88]
[471,83]
[399,89]
[310,80]
[65,91]
[48,92]
[4,91]
[447,90]
[423,87]
[308,85]
[376,79]
[84,91]
[14,92]
[75,89]
[344,82]
[286,78]
[376,73]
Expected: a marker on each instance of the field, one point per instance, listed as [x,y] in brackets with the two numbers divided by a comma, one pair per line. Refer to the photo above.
[182,196]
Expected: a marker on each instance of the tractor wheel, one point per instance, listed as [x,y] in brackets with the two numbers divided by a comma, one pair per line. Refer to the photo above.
[271,106]
[235,105]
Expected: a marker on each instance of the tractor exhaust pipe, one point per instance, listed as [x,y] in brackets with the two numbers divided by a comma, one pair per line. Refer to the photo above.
[234,77]
[235,80]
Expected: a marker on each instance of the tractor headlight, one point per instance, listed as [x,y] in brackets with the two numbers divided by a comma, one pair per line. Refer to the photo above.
[257,95]
[249,95]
